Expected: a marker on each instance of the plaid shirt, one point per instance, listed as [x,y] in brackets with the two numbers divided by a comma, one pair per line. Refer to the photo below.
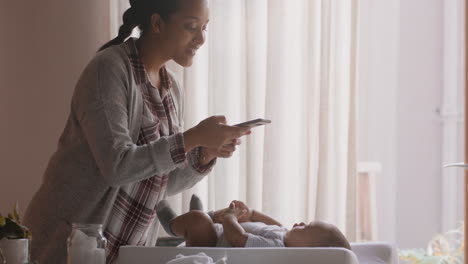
[134,209]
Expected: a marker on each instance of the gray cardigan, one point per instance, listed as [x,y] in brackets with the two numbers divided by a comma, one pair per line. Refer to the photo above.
[97,153]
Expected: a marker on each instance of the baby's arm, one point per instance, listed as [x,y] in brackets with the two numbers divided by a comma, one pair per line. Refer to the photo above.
[218,215]
[233,231]
[261,217]
[254,216]
[247,215]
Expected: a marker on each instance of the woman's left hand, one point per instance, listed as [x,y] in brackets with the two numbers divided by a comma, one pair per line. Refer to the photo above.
[208,154]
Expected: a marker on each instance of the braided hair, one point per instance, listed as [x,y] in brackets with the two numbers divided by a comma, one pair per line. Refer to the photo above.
[139,15]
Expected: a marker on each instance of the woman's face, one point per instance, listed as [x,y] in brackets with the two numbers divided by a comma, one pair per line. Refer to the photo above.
[184,31]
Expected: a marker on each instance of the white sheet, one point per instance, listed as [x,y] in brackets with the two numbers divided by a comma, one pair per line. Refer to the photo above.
[375,253]
[366,253]
[161,255]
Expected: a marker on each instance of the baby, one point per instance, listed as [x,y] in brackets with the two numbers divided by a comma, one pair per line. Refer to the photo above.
[240,226]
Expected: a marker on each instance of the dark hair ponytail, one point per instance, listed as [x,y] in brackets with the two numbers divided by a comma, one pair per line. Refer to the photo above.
[139,15]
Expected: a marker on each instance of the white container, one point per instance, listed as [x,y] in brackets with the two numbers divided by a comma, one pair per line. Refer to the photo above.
[86,244]
[15,251]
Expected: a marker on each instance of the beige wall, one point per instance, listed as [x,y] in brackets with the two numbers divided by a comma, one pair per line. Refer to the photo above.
[400,84]
[44,45]
[419,126]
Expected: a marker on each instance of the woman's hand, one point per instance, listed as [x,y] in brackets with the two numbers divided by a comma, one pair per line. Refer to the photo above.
[208,154]
[213,133]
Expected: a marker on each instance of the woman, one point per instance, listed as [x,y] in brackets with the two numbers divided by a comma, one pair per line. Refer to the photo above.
[123,149]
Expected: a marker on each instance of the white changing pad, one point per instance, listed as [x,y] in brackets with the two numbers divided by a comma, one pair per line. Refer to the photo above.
[366,253]
[375,253]
[161,255]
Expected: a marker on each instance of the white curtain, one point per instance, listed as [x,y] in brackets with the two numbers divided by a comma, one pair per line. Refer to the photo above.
[293,62]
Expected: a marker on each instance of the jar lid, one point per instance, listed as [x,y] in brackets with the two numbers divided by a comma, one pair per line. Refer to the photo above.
[83,225]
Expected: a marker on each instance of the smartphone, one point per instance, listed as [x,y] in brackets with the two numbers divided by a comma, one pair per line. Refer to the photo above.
[254,123]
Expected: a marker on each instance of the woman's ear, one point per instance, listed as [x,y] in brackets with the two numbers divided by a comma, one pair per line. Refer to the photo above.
[157,23]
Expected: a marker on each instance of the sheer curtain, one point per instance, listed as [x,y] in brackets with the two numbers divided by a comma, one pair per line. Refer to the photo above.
[293,62]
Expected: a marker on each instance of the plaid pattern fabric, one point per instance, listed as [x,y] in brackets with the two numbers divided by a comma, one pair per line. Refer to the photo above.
[134,209]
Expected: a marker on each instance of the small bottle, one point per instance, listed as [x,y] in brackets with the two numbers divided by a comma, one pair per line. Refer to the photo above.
[86,244]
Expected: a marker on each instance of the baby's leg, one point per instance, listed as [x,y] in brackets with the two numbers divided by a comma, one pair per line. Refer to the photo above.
[196,227]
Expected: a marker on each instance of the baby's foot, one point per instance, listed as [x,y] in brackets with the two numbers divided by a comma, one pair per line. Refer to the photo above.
[165,215]
[196,203]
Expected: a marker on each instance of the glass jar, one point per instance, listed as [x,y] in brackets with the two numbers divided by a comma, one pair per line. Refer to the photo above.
[86,244]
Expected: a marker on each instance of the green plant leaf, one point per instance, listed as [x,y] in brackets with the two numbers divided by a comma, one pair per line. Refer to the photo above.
[28,234]
[16,212]
[13,230]
[2,220]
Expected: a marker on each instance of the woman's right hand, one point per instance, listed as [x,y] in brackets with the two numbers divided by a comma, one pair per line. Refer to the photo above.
[213,133]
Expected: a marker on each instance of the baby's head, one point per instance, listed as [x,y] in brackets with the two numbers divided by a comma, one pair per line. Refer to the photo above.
[315,234]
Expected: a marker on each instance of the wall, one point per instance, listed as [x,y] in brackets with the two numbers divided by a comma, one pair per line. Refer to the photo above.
[400,82]
[44,46]
[419,132]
